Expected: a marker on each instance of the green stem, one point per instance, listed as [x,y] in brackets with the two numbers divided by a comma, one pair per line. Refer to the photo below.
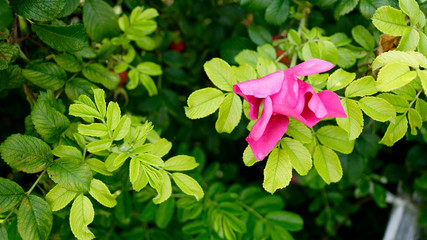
[253,211]
[413,101]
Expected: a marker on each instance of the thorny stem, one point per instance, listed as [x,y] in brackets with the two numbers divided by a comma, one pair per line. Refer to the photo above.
[25,194]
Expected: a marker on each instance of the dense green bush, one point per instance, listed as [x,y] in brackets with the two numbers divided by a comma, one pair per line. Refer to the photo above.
[109,125]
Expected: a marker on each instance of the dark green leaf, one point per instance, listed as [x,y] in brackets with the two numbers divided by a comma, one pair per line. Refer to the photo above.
[259,35]
[8,54]
[97,73]
[68,62]
[34,218]
[344,7]
[277,12]
[363,37]
[3,231]
[69,8]
[10,194]
[46,75]
[48,122]
[287,220]
[100,20]
[380,194]
[5,15]
[26,153]
[165,213]
[38,10]
[16,79]
[62,38]
[71,174]
[268,203]
[123,209]
[78,86]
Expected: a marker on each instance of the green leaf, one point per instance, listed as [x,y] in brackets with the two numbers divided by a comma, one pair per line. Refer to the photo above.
[100,20]
[395,130]
[98,166]
[390,21]
[161,147]
[164,187]
[69,8]
[244,72]
[259,35]
[122,129]
[148,83]
[115,160]
[165,213]
[3,231]
[62,38]
[97,73]
[46,75]
[249,157]
[93,129]
[65,151]
[361,87]
[343,7]
[220,73]
[78,86]
[377,108]
[16,79]
[101,193]
[59,197]
[230,112]
[180,163]
[188,185]
[48,122]
[339,79]
[412,59]
[38,10]
[203,102]
[10,194]
[278,171]
[400,104]
[363,37]
[328,51]
[34,218]
[26,153]
[327,164]
[279,233]
[335,138]
[298,154]
[409,40]
[347,57]
[137,176]
[422,47]
[299,131]
[353,124]
[68,62]
[99,145]
[310,50]
[267,51]
[277,12]
[287,220]
[71,174]
[99,97]
[265,66]
[422,75]
[8,54]
[81,215]
[421,107]
[113,115]
[411,8]
[393,76]
[247,56]
[84,111]
[149,68]
[415,120]
[6,20]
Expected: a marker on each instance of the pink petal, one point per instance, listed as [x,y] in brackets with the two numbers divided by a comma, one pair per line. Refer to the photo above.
[259,127]
[332,103]
[310,67]
[274,131]
[261,87]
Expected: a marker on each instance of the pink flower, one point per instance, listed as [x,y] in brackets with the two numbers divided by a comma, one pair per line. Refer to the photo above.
[284,96]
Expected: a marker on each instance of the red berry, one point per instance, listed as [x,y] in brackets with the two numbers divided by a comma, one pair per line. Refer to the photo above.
[123,78]
[177,46]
